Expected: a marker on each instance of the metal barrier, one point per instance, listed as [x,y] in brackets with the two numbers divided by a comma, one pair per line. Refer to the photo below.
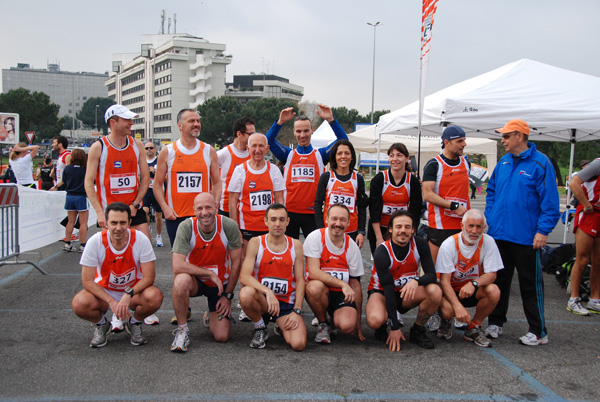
[9,227]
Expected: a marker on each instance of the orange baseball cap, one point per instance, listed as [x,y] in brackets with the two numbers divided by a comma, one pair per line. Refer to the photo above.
[514,125]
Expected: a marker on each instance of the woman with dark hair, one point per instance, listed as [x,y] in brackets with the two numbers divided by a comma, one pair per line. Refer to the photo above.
[73,177]
[342,185]
[9,126]
[392,190]
[21,162]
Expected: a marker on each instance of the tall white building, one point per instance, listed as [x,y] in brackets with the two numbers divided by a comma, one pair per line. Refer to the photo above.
[67,89]
[173,72]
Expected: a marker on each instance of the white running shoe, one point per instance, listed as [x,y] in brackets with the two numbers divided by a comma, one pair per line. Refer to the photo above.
[493,331]
[531,339]
[593,308]
[206,319]
[159,241]
[323,334]
[151,320]
[434,322]
[116,325]
[244,317]
[181,341]
[460,324]
[315,322]
[575,307]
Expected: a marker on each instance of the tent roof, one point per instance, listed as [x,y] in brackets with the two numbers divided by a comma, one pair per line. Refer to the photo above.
[550,99]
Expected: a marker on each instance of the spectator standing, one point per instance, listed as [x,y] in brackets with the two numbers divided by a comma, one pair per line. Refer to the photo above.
[21,162]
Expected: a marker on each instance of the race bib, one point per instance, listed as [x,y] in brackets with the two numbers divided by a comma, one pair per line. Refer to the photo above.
[122,183]
[345,199]
[189,182]
[260,200]
[213,268]
[453,214]
[278,286]
[401,282]
[338,273]
[123,280]
[303,173]
[472,272]
[389,209]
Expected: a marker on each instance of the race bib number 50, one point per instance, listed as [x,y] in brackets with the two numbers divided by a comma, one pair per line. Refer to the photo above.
[122,183]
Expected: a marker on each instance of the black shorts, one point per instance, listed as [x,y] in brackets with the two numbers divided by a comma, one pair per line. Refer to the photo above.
[223,213]
[399,307]
[336,302]
[139,218]
[248,234]
[211,293]
[469,301]
[150,200]
[437,236]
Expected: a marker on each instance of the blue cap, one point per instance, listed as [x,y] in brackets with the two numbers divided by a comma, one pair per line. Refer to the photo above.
[452,133]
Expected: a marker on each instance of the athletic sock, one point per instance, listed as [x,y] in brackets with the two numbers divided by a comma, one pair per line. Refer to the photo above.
[184,327]
[133,321]
[473,324]
[259,324]
[102,321]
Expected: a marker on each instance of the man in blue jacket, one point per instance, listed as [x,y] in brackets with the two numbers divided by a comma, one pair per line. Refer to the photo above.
[303,167]
[522,208]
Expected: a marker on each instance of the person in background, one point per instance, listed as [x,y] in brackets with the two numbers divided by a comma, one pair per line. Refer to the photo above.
[73,179]
[21,161]
[43,173]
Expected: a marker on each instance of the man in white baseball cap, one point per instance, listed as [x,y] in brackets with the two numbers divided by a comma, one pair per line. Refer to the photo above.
[120,111]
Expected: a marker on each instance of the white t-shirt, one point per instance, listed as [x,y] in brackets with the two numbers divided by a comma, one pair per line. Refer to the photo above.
[239,176]
[94,252]
[23,169]
[313,247]
[447,256]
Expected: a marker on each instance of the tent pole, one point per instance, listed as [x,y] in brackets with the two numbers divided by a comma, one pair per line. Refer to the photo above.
[573,140]
[378,151]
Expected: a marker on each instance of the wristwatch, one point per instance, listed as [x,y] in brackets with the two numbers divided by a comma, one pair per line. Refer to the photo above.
[297,311]
[136,206]
[228,295]
[475,284]
[129,291]
[454,206]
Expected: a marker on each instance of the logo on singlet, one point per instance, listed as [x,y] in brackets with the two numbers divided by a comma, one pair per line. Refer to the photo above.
[117,164]
[252,184]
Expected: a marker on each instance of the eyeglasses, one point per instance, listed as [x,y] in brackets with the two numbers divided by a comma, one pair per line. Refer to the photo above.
[508,135]
[147,148]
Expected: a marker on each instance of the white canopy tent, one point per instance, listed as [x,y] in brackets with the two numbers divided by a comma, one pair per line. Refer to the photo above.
[558,105]
[366,140]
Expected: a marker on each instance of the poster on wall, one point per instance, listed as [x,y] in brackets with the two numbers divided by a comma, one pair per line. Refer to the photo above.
[9,128]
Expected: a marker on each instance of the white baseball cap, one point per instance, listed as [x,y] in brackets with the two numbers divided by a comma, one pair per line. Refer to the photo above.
[119,110]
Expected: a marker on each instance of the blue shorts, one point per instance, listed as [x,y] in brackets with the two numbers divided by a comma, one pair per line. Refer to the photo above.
[284,309]
[150,200]
[76,203]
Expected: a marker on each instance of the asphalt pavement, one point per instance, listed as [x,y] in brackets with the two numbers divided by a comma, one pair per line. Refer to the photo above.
[45,353]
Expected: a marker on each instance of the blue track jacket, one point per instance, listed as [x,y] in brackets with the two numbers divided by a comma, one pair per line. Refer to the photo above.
[281,152]
[522,197]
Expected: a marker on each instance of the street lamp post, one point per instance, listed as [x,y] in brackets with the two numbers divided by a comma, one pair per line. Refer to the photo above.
[96,121]
[373,92]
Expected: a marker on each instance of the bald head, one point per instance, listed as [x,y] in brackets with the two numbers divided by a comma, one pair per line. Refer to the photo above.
[257,138]
[205,209]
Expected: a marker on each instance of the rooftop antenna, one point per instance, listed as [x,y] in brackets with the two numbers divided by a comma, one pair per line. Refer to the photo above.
[162,22]
[174,23]
[169,26]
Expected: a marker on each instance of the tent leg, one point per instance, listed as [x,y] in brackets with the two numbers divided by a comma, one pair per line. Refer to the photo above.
[573,141]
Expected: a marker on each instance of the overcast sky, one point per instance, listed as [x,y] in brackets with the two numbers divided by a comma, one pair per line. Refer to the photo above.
[325,46]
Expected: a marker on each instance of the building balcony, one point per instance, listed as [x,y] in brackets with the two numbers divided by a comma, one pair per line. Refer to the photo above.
[201,61]
[200,76]
[200,89]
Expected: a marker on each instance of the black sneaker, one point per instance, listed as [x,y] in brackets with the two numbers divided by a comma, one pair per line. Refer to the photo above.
[381,333]
[421,337]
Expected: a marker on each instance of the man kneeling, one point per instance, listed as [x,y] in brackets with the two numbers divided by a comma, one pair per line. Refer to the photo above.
[206,258]
[273,275]
[396,286]
[334,267]
[467,263]
[117,273]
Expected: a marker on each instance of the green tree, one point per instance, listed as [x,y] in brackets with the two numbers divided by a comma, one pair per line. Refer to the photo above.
[346,117]
[377,114]
[36,113]
[265,111]
[217,116]
[88,113]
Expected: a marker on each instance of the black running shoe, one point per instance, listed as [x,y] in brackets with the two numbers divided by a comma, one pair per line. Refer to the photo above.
[421,337]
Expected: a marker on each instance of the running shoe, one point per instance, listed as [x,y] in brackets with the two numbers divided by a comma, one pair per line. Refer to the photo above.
[99,338]
[259,337]
[151,320]
[244,317]
[69,247]
[531,339]
[460,325]
[135,330]
[445,329]
[315,322]
[81,248]
[116,325]
[493,331]
[277,330]
[421,337]
[189,316]
[181,342]
[434,322]
[575,307]
[381,333]
[593,308]
[477,336]
[206,319]
[159,241]
[323,334]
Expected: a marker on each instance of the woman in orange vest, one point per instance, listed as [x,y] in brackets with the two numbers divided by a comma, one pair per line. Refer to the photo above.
[342,185]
